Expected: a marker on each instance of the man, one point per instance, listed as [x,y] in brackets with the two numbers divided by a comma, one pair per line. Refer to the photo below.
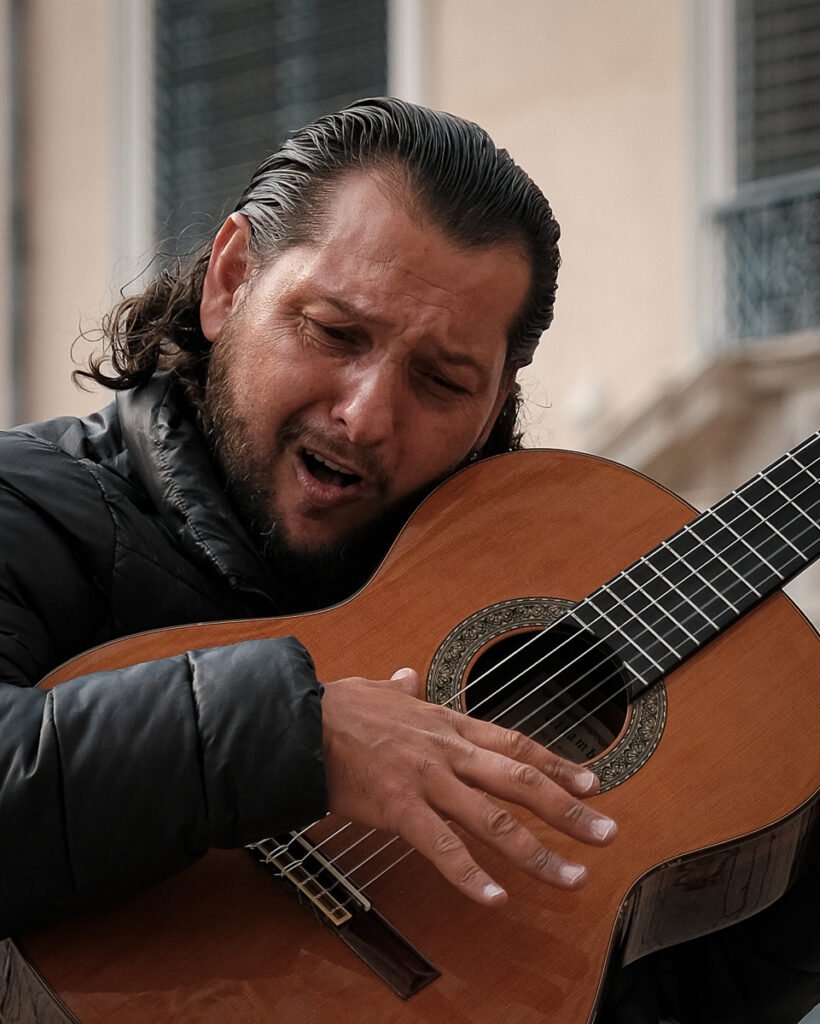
[350,339]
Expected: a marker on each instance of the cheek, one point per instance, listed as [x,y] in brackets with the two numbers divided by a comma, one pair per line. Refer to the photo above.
[439,445]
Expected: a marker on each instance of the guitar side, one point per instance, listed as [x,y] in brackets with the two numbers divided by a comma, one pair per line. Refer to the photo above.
[728,795]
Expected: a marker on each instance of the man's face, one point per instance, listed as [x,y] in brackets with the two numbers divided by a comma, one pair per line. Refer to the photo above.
[350,373]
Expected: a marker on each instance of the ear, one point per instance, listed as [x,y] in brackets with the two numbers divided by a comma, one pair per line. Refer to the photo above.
[227,271]
[506,384]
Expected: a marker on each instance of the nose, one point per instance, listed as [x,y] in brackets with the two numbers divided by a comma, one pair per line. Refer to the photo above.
[368,404]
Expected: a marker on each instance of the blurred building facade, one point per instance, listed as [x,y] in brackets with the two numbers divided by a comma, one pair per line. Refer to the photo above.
[679,144]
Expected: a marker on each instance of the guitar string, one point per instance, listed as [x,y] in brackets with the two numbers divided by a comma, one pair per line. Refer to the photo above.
[544,725]
[350,871]
[635,616]
[597,667]
[564,711]
[364,885]
[643,561]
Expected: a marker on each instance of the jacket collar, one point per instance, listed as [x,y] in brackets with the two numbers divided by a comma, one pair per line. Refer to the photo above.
[174,464]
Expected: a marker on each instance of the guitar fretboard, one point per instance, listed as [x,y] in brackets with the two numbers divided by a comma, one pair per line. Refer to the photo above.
[701,580]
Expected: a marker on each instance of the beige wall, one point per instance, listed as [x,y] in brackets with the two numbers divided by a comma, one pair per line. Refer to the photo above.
[68,170]
[5,215]
[591,98]
[88,206]
[73,173]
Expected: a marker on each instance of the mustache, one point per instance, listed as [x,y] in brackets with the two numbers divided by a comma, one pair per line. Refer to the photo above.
[336,447]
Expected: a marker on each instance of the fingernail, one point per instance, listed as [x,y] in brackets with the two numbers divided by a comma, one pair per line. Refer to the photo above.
[602,828]
[572,872]
[586,779]
[400,673]
[493,891]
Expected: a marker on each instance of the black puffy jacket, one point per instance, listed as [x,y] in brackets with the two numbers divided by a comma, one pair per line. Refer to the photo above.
[111,525]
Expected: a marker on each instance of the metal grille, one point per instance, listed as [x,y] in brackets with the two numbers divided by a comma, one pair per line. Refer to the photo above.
[234,77]
[771,235]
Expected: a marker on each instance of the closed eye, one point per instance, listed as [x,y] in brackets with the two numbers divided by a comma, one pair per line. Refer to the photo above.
[336,333]
[335,336]
[447,384]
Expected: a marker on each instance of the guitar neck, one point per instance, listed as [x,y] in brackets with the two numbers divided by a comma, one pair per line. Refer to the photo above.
[677,598]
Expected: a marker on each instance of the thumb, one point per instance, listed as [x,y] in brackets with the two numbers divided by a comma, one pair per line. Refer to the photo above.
[408,680]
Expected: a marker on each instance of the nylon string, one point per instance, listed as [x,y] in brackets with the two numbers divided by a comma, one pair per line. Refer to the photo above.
[681,560]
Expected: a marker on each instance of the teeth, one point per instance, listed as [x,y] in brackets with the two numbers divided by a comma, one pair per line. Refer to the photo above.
[330,465]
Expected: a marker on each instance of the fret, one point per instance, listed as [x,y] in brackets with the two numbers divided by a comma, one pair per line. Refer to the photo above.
[680,592]
[757,512]
[715,582]
[642,669]
[789,506]
[739,563]
[702,579]
[631,600]
[620,614]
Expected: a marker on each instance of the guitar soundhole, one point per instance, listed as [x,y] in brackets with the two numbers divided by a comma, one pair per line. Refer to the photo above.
[565,688]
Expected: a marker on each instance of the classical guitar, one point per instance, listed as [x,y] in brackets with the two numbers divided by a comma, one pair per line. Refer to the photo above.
[523,590]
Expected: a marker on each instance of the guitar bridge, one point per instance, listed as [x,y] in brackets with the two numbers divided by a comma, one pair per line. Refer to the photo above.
[300,863]
[338,903]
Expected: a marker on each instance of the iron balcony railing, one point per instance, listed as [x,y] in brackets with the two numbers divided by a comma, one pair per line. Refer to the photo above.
[769,238]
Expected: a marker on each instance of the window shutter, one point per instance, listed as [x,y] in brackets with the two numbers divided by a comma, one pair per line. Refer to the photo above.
[778,87]
[233,77]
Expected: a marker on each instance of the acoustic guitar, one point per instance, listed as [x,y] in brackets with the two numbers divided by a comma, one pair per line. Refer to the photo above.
[581,603]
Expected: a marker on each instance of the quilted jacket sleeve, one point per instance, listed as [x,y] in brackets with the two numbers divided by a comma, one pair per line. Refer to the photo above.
[112,780]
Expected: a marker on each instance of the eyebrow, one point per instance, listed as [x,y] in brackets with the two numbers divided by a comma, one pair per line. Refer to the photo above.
[350,310]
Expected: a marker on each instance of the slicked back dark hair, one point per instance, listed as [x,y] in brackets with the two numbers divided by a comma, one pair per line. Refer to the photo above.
[445,168]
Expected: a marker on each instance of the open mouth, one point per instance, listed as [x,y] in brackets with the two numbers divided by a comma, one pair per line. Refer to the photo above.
[328,472]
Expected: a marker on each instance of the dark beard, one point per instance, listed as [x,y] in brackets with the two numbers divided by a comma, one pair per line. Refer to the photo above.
[317,579]
[304,579]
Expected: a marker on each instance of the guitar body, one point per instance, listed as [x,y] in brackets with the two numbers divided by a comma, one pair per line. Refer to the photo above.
[712,822]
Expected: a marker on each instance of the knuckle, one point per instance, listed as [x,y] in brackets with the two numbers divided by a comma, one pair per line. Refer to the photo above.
[444,717]
[556,769]
[517,743]
[468,874]
[446,742]
[575,812]
[544,861]
[500,822]
[565,773]
[526,776]
[446,844]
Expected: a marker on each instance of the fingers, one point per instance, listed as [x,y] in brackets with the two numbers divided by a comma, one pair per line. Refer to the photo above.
[418,769]
[512,744]
[433,837]
[537,780]
[528,787]
[515,745]
[408,681]
[436,841]
[516,768]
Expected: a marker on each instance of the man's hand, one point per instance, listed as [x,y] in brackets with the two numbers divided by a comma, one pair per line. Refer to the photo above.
[399,764]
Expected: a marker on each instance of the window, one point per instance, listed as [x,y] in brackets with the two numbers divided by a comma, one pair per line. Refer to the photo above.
[771,230]
[234,76]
